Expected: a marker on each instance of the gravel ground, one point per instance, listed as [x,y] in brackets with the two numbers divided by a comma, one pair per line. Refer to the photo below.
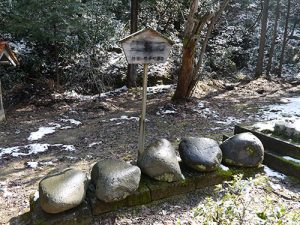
[108,128]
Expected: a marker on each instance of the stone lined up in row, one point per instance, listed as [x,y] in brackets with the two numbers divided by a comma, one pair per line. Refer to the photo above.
[114,180]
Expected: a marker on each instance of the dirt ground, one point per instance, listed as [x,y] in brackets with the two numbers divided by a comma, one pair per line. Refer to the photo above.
[104,133]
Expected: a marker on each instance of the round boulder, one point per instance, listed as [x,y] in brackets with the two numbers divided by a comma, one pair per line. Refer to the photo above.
[201,154]
[62,191]
[159,161]
[114,180]
[243,149]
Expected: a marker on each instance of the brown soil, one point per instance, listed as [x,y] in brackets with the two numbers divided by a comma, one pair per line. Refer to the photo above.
[118,139]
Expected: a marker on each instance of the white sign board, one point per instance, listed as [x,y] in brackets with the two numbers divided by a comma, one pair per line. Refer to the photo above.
[146,47]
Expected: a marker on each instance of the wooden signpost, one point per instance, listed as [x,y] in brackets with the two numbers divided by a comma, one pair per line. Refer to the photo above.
[146,47]
[7,57]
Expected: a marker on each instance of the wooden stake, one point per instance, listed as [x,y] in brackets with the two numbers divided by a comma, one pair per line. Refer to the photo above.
[142,118]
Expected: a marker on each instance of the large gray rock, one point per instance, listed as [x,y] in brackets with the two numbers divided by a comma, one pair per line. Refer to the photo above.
[114,180]
[159,161]
[201,154]
[243,149]
[62,191]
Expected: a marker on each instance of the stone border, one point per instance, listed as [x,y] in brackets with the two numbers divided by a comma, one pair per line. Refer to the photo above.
[148,191]
[274,150]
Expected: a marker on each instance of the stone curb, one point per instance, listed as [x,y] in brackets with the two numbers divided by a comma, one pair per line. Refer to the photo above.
[149,191]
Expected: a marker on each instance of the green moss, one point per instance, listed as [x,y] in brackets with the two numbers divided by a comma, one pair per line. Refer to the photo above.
[295,164]
[169,177]
[250,150]
[224,173]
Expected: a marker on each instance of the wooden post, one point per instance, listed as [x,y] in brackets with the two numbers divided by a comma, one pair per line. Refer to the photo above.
[142,119]
[2,113]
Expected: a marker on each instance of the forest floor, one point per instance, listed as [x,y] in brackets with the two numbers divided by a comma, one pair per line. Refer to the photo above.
[82,130]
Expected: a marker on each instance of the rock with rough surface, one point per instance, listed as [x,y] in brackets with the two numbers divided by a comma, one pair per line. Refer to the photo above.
[243,149]
[114,180]
[159,161]
[201,154]
[62,191]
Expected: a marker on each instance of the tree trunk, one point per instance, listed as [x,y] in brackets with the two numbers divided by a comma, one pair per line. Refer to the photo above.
[198,68]
[187,64]
[132,68]
[262,41]
[188,74]
[285,38]
[273,42]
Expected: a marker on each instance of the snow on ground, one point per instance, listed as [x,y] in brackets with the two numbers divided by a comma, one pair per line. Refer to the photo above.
[291,159]
[124,117]
[72,121]
[94,143]
[225,168]
[159,89]
[289,111]
[271,173]
[32,149]
[42,131]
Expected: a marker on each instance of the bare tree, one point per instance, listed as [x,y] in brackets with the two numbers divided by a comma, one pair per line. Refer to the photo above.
[273,42]
[285,38]
[189,69]
[132,69]
[262,41]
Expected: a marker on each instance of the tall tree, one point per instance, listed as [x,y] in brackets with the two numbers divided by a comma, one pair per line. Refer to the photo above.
[132,68]
[273,41]
[262,41]
[285,38]
[195,24]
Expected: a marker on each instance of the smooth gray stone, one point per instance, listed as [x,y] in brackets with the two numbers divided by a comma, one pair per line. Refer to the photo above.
[159,161]
[114,180]
[243,149]
[62,191]
[201,154]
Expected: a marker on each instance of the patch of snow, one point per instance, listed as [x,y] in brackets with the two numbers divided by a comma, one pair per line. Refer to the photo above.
[42,131]
[95,143]
[33,165]
[36,148]
[291,159]
[66,127]
[206,113]
[159,89]
[74,95]
[224,167]
[260,126]
[72,121]
[124,118]
[290,110]
[49,163]
[271,173]
[36,196]
[69,148]
[114,92]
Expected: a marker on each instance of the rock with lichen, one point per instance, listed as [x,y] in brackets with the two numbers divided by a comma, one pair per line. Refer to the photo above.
[243,149]
[115,180]
[201,154]
[159,161]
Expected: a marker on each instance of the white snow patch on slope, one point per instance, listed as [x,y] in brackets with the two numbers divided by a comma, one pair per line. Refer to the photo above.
[33,165]
[32,149]
[95,143]
[124,117]
[72,121]
[159,89]
[42,131]
[271,173]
